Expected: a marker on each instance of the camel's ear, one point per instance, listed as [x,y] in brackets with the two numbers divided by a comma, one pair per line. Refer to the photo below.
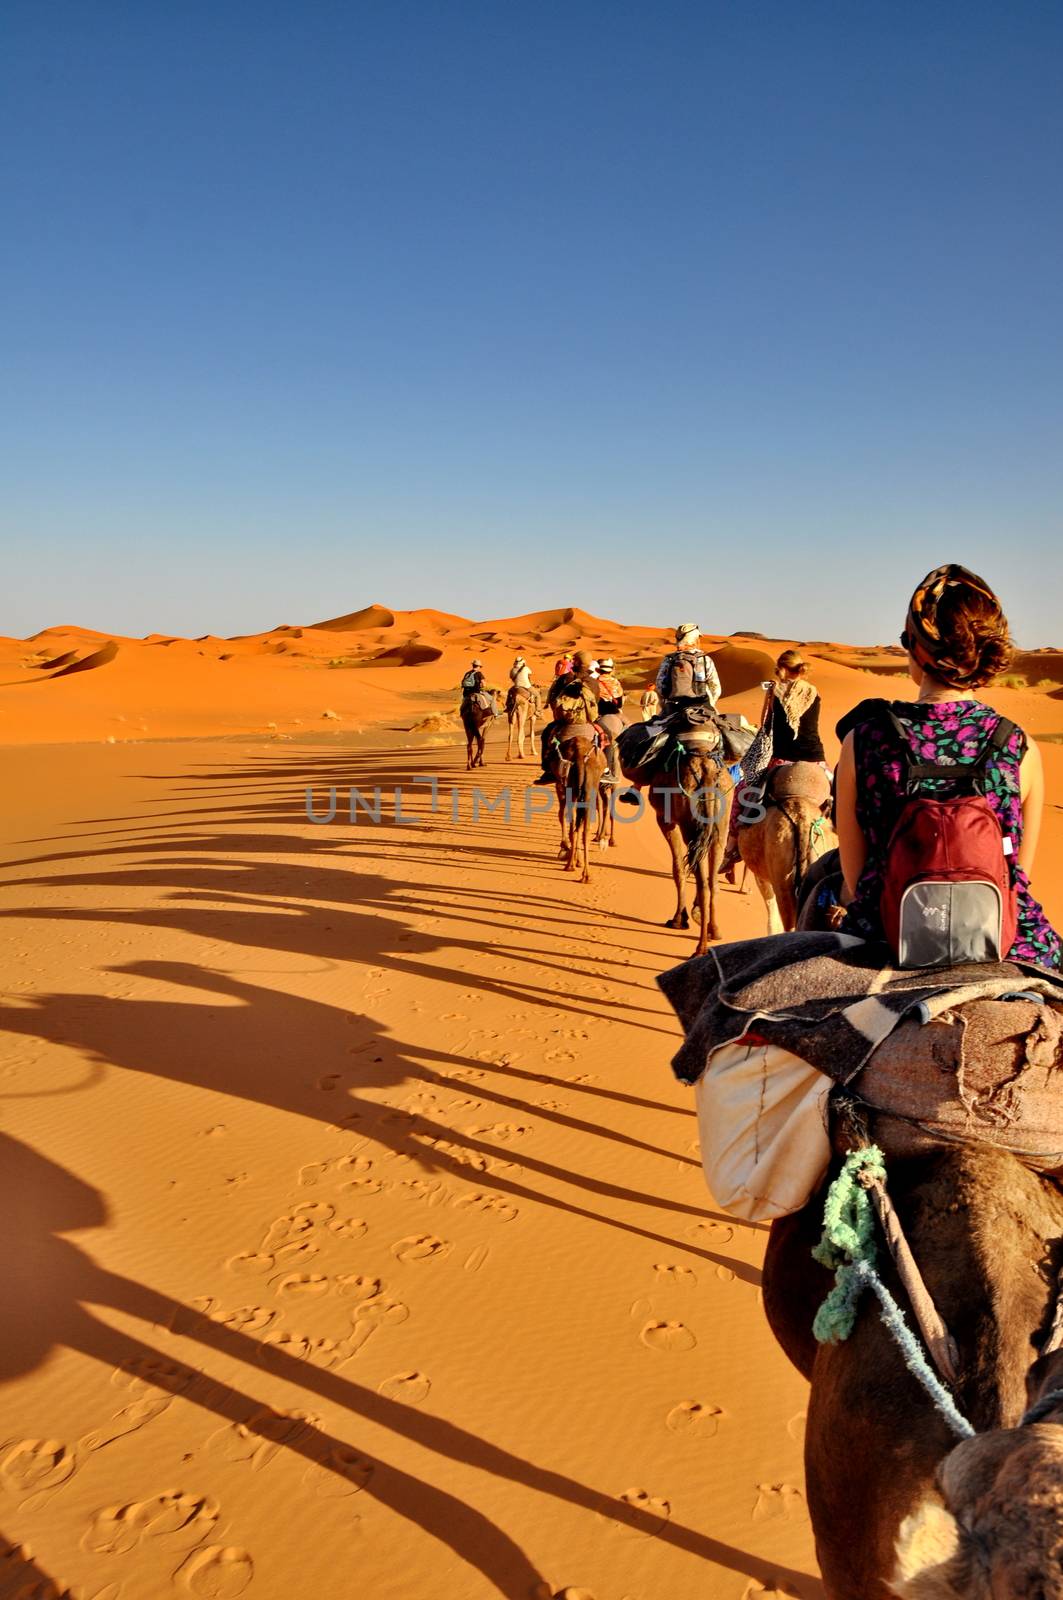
[929,1563]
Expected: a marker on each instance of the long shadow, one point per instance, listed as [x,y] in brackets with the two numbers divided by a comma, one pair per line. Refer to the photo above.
[256,1050]
[54,1284]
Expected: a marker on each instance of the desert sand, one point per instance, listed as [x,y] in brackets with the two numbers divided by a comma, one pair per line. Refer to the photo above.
[355,1237]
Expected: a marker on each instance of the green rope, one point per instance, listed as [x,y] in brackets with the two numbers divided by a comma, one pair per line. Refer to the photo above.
[848,1238]
[847,1247]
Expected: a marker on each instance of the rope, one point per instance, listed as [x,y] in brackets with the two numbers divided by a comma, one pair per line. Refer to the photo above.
[1041,1408]
[847,1247]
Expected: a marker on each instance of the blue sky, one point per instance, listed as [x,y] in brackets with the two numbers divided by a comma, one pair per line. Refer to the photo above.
[748,311]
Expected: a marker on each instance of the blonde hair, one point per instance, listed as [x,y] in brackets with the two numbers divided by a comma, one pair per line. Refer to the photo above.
[792,661]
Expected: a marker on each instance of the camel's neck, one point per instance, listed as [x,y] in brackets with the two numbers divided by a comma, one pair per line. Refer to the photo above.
[981,1225]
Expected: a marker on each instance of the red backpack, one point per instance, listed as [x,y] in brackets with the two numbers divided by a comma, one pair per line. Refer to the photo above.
[947,894]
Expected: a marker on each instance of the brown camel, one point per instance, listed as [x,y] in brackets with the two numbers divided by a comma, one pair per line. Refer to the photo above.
[523,707]
[779,849]
[692,806]
[578,766]
[986,1232]
[477,713]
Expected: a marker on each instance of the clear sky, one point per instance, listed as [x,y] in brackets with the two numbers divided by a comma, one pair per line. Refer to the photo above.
[748,312]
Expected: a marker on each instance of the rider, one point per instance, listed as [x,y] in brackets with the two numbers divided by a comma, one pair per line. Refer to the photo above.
[791,713]
[576,685]
[610,710]
[687,674]
[956,639]
[610,689]
[686,677]
[520,674]
[563,665]
[474,682]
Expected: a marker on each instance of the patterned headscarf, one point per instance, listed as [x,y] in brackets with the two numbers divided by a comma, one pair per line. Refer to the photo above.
[921,628]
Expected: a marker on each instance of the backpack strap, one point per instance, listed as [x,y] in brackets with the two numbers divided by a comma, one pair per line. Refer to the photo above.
[972,774]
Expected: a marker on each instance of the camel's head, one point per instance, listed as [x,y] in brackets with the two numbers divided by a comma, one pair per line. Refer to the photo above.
[996,1531]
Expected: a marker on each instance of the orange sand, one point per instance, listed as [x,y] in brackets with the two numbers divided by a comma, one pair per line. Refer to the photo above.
[356,1242]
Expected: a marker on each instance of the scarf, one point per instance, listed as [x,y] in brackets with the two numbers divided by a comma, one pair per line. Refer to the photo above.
[795,696]
[922,625]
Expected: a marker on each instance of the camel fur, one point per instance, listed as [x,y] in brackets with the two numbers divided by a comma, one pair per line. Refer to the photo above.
[779,849]
[692,810]
[897,1507]
[475,719]
[523,707]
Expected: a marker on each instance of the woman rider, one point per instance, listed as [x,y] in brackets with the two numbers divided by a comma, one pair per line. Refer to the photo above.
[956,637]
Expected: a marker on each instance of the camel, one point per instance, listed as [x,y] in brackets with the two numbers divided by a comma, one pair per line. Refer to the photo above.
[523,707]
[897,1506]
[477,712]
[780,848]
[578,766]
[692,812]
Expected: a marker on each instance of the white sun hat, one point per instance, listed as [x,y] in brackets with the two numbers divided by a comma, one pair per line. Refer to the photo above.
[687,630]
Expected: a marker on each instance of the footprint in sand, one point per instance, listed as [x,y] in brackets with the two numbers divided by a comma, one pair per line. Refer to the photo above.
[409,1387]
[153,1372]
[221,1572]
[246,1319]
[364,1186]
[695,1418]
[300,1285]
[348,1227]
[378,1312]
[503,1131]
[296,1225]
[476,1258]
[416,1188]
[280,1347]
[357,1286]
[776,1500]
[669,1336]
[259,1439]
[670,1274]
[636,1514]
[338,1473]
[250,1264]
[181,1521]
[713,1234]
[128,1420]
[491,1205]
[421,1247]
[35,1464]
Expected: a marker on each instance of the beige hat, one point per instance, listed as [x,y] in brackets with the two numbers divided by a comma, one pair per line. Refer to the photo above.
[476,661]
[687,630]
[606,663]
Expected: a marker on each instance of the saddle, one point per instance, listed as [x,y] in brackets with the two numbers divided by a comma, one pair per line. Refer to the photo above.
[583,732]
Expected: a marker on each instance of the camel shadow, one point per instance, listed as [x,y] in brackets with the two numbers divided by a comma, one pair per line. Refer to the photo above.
[57,1287]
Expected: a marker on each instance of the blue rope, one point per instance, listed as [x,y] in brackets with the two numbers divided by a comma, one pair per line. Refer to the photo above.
[848,1247]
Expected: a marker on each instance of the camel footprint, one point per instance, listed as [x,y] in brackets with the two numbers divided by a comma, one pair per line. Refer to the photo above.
[221,1572]
[668,1336]
[491,1205]
[670,1274]
[421,1247]
[636,1514]
[338,1473]
[714,1234]
[259,1439]
[181,1520]
[776,1500]
[695,1418]
[409,1387]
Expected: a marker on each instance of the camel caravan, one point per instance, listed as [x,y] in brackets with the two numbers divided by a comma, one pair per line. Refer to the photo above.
[879,1079]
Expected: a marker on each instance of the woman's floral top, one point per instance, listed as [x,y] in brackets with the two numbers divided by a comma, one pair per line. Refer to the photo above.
[943,731]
